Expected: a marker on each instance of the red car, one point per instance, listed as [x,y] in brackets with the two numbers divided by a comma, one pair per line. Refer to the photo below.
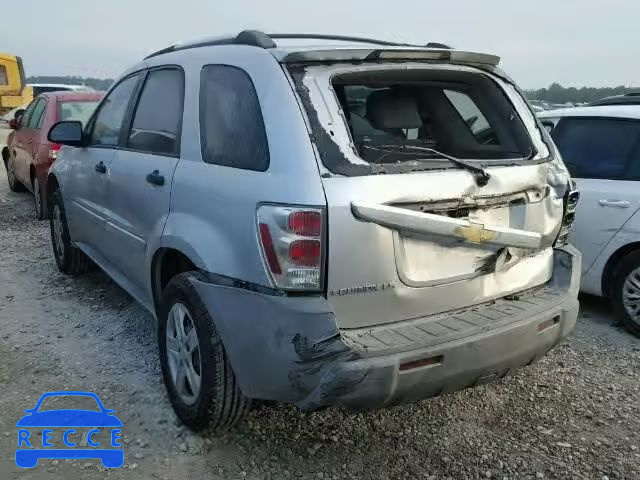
[28,154]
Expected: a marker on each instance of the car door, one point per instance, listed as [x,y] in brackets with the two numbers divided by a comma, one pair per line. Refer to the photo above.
[35,138]
[22,144]
[598,152]
[86,195]
[141,173]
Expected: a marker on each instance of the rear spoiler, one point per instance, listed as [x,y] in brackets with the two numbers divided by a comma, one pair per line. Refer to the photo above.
[377,54]
[431,224]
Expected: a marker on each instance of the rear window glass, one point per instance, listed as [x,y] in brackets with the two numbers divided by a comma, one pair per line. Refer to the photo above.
[4,79]
[80,111]
[597,147]
[391,122]
[412,119]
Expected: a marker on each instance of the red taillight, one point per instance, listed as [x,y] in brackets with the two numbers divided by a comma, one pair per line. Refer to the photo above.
[269,252]
[54,148]
[305,253]
[305,223]
[291,241]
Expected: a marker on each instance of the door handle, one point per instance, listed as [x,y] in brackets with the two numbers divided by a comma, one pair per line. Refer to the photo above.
[101,167]
[615,203]
[154,178]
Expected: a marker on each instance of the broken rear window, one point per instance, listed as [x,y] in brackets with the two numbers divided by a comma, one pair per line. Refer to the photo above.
[417,118]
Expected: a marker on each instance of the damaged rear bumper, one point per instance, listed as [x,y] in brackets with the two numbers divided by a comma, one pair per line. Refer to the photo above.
[290,348]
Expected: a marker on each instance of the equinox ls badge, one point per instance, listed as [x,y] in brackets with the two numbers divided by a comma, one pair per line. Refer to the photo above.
[369,287]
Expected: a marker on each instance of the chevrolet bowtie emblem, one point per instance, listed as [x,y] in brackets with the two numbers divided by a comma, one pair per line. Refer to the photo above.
[475,233]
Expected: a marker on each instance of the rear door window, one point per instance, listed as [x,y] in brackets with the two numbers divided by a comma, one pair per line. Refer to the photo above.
[26,116]
[158,117]
[38,114]
[231,126]
[108,122]
[597,147]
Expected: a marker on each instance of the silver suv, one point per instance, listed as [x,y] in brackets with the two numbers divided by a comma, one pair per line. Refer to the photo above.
[363,223]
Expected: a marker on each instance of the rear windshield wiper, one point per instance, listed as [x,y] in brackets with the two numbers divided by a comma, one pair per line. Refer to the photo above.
[480,174]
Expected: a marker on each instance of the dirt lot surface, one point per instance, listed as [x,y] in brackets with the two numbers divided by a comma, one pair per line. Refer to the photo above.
[575,414]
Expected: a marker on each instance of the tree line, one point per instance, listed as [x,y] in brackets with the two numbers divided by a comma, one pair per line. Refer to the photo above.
[555,93]
[95,83]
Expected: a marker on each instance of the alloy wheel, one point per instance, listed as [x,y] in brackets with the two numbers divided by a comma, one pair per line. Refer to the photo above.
[183,354]
[631,295]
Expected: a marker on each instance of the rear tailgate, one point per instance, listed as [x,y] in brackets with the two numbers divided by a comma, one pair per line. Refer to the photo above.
[406,243]
[382,270]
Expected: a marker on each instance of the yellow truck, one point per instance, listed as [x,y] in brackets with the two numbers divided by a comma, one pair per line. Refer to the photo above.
[14,91]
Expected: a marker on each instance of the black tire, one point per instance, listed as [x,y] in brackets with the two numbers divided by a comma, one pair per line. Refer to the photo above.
[220,403]
[626,266]
[38,202]
[14,183]
[70,260]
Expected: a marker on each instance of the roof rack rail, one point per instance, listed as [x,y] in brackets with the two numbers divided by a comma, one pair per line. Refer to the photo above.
[245,37]
[342,38]
[260,39]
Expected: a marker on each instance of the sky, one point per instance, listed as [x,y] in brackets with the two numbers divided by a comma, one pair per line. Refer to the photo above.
[573,42]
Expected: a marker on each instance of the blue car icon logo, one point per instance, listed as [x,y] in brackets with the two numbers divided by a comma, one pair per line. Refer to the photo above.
[63,431]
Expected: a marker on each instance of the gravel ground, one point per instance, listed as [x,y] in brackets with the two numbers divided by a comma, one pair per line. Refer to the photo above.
[575,414]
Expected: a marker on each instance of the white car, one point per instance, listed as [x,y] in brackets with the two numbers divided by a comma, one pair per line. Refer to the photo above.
[601,148]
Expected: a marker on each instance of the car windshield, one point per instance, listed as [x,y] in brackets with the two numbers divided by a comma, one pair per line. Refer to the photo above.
[77,110]
[69,402]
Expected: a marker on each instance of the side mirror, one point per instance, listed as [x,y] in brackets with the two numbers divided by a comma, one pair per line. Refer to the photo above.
[14,123]
[67,133]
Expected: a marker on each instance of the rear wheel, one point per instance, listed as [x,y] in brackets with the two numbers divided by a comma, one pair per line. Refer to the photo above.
[625,292]
[197,374]
[37,199]
[14,184]
[70,260]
